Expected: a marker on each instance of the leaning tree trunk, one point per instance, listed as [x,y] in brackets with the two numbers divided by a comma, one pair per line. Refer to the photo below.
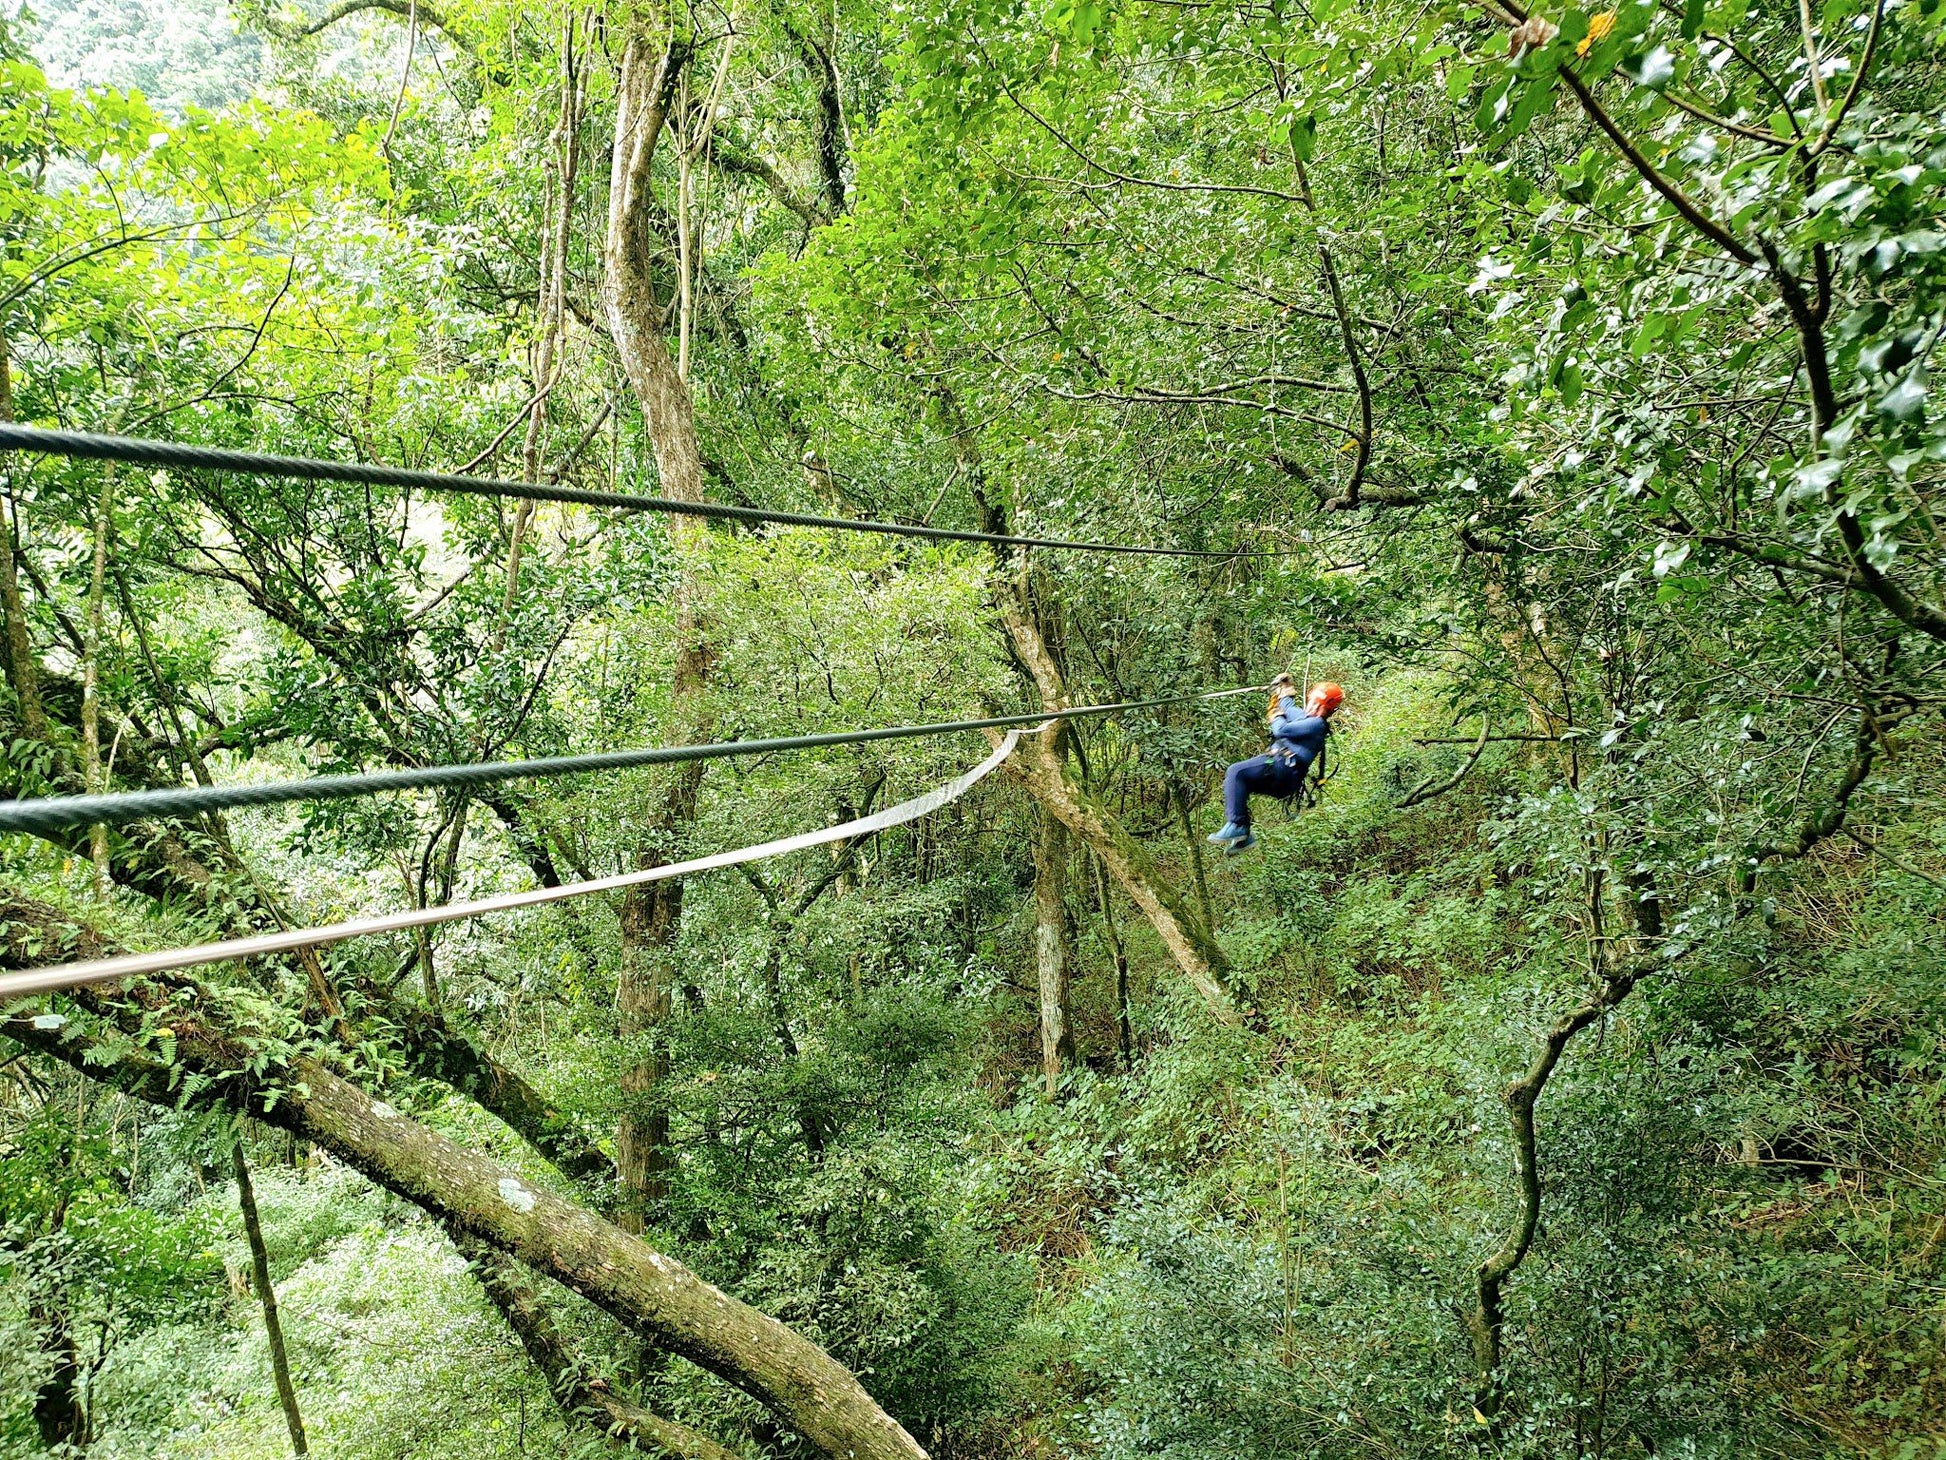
[1041,766]
[1174,919]
[216,1067]
[651,916]
[280,1363]
[165,861]
[1043,769]
[581,1393]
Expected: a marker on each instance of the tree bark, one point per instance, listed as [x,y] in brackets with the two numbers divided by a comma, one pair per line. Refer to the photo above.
[159,861]
[436,1049]
[1120,955]
[60,1415]
[1175,921]
[280,1364]
[92,769]
[653,1294]
[550,307]
[1051,949]
[1487,1322]
[643,1003]
[1194,847]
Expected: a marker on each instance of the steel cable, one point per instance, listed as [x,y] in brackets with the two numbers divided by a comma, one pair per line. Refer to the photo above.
[65,813]
[142,452]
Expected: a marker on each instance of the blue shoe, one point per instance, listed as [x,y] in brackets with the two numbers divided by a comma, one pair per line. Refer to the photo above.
[1231,832]
[1242,844]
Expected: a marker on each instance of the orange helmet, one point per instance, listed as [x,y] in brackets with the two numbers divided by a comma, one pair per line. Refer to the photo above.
[1325,697]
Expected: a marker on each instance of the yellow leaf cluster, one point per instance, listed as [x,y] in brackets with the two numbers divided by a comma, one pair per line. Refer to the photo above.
[1599,27]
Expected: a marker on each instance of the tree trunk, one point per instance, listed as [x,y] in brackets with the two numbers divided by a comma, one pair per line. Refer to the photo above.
[22,672]
[153,859]
[652,916]
[1051,949]
[551,307]
[653,1294]
[636,319]
[280,1364]
[643,1003]
[92,769]
[1175,921]
[1180,797]
[60,1416]
[437,1050]
[1120,956]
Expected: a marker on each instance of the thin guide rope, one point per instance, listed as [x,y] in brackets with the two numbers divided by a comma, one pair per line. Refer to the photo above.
[131,965]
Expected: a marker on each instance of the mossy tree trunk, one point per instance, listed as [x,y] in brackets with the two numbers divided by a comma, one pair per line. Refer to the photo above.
[218,1067]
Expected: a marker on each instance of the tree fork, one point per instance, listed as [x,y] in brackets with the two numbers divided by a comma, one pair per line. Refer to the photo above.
[1043,770]
[651,917]
[1487,1322]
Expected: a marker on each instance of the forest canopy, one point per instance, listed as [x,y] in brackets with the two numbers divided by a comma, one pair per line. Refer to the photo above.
[1556,1071]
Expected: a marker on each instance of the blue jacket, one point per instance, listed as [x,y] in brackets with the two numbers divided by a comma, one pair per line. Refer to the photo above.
[1295,736]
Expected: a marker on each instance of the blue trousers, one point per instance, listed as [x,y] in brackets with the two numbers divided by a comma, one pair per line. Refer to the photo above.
[1263,775]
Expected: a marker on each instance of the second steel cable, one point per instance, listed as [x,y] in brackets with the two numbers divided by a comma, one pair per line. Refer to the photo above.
[65,813]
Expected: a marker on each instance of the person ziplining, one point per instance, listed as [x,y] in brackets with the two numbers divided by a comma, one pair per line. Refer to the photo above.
[46,815]
[1296,740]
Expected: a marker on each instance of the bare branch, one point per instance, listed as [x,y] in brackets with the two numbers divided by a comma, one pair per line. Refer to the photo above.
[1426,791]
[285,30]
[1830,128]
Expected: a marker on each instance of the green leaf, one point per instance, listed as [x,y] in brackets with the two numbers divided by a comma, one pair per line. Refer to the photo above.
[1536,99]
[1304,136]
[1654,70]
[1905,401]
[1493,106]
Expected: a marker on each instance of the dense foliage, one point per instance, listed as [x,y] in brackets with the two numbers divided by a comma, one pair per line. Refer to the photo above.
[1564,1078]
